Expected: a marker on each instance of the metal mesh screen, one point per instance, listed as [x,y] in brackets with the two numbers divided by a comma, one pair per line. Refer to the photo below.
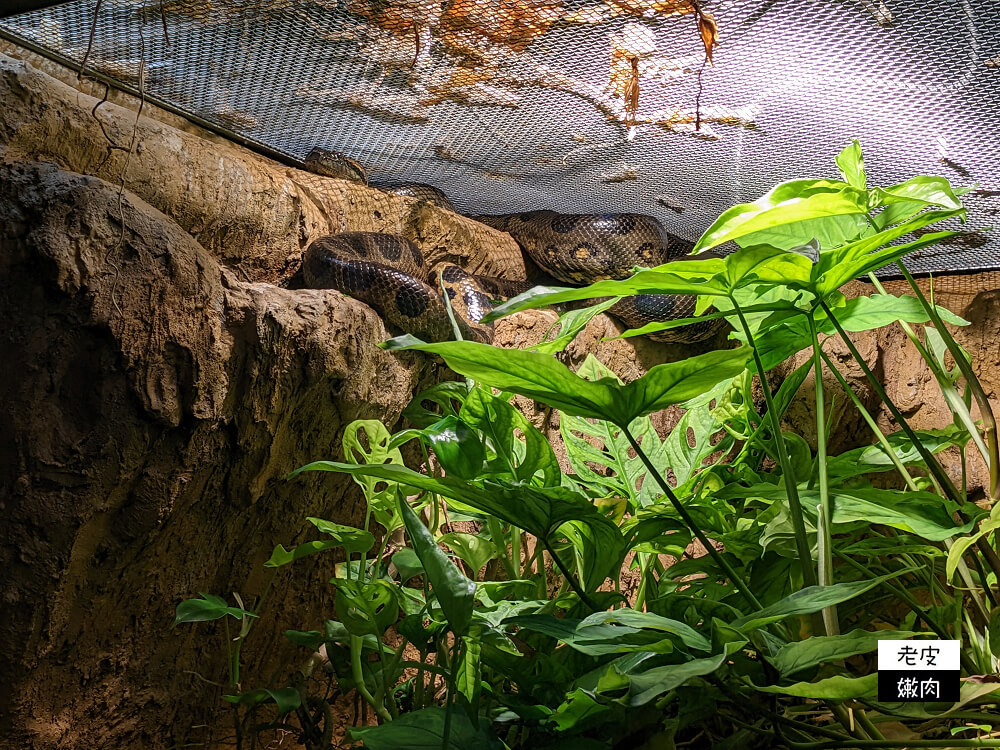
[510,105]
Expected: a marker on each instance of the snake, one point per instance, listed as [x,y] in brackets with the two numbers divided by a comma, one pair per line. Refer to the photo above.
[390,274]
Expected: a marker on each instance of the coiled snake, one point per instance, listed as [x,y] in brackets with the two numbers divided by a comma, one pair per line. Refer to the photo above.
[389,273]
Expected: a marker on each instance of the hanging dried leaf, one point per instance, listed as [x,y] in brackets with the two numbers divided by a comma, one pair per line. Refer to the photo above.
[709,33]
[632,94]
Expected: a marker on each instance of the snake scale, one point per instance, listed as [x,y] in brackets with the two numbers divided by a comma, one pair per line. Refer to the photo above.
[390,274]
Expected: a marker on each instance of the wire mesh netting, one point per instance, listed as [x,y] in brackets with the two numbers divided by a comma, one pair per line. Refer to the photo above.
[579,105]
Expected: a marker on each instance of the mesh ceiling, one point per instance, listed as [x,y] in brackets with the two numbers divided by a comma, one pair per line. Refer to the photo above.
[509,105]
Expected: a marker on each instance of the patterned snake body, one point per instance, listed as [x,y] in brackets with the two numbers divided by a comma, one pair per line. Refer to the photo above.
[390,274]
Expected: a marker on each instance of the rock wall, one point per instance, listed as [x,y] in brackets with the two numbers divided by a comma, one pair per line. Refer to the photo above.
[152,405]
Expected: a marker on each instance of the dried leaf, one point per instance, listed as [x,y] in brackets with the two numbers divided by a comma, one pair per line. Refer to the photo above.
[709,33]
[632,94]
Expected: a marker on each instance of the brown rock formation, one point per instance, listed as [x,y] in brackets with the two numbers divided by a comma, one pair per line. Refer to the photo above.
[152,405]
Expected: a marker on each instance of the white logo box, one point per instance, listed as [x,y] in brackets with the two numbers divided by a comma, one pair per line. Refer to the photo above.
[905,656]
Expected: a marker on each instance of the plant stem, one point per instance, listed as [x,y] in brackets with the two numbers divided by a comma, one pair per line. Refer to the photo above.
[937,472]
[966,574]
[824,516]
[932,463]
[985,409]
[887,448]
[919,611]
[870,420]
[515,550]
[418,688]
[802,546]
[448,704]
[435,519]
[359,679]
[867,724]
[951,395]
[569,577]
[692,524]
[233,660]
[386,674]
[893,744]
[640,594]
[500,545]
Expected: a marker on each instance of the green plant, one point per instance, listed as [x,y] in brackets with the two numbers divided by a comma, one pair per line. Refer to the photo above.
[503,622]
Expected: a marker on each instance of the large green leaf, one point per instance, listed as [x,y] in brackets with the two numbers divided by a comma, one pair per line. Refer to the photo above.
[851,163]
[696,276]
[766,263]
[645,686]
[579,712]
[474,551]
[650,621]
[447,396]
[595,446]
[783,335]
[821,649]
[962,545]
[867,313]
[366,607]
[499,422]
[873,458]
[789,202]
[455,592]
[367,441]
[808,600]
[468,680]
[457,447]
[570,324]
[691,441]
[832,688]
[424,730]
[545,379]
[601,634]
[928,190]
[922,513]
[838,266]
[601,549]
[824,231]
[287,699]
